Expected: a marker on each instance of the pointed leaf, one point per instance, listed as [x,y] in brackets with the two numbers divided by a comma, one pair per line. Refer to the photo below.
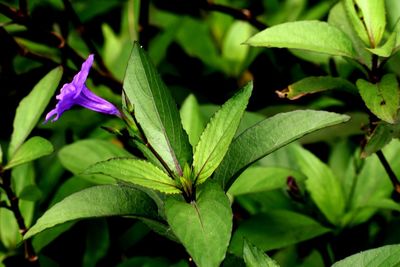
[193,120]
[94,202]
[381,98]
[204,227]
[269,135]
[310,35]
[355,21]
[32,149]
[255,257]
[137,172]
[31,108]
[156,111]
[216,138]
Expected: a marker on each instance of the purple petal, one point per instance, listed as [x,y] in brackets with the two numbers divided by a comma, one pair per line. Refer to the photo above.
[91,101]
[80,78]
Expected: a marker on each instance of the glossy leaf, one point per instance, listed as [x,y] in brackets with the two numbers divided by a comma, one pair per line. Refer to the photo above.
[269,135]
[94,202]
[311,85]
[32,149]
[156,111]
[193,120]
[31,108]
[137,172]
[388,256]
[203,226]
[218,134]
[381,98]
[255,257]
[314,36]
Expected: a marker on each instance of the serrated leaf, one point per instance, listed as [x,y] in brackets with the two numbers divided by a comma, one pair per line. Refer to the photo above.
[269,135]
[32,149]
[310,35]
[94,202]
[311,85]
[31,108]
[156,111]
[204,226]
[255,257]
[193,120]
[388,256]
[218,134]
[137,172]
[381,98]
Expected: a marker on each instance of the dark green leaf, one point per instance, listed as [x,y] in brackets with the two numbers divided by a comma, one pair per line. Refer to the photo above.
[255,257]
[97,243]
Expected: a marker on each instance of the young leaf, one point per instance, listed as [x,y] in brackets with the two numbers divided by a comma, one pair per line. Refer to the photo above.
[311,85]
[31,108]
[216,138]
[255,257]
[355,21]
[94,202]
[156,111]
[204,227]
[269,135]
[381,98]
[388,256]
[314,36]
[193,120]
[32,149]
[137,172]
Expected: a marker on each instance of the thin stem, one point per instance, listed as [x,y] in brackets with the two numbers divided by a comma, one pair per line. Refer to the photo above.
[389,171]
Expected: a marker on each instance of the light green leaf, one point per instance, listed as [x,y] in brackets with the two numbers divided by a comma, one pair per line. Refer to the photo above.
[216,138]
[137,172]
[311,85]
[31,108]
[355,21]
[94,202]
[387,49]
[203,226]
[32,149]
[255,257]
[193,120]
[381,98]
[275,229]
[388,256]
[323,185]
[310,35]
[269,135]
[156,111]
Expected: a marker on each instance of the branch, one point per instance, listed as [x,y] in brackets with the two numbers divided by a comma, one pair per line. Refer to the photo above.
[389,171]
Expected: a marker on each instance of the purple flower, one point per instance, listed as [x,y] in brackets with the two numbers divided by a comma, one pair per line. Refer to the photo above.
[76,93]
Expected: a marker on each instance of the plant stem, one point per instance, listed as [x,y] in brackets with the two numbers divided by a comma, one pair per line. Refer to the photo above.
[389,171]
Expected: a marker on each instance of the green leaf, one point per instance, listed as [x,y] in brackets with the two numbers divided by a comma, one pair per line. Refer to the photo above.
[156,111]
[269,135]
[216,138]
[94,202]
[255,257]
[193,120]
[204,226]
[381,135]
[275,229]
[137,172]
[388,256]
[310,35]
[311,85]
[79,155]
[355,21]
[31,108]
[381,98]
[32,149]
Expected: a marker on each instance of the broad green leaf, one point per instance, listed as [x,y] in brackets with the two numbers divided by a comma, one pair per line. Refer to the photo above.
[79,155]
[255,257]
[381,98]
[218,134]
[156,111]
[94,202]
[258,179]
[275,229]
[203,226]
[310,35]
[193,120]
[388,256]
[355,21]
[374,18]
[31,108]
[324,187]
[137,172]
[32,149]
[269,135]
[311,85]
